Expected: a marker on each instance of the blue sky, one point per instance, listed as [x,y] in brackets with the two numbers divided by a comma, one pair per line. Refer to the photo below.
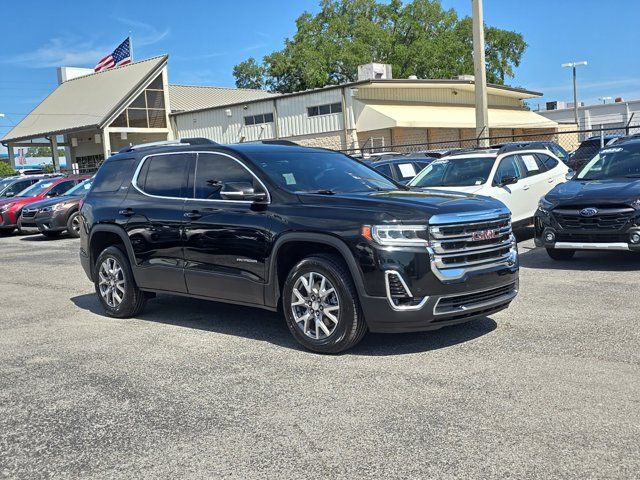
[205,39]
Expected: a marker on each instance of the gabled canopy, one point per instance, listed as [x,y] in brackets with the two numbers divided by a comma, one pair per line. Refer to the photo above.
[86,102]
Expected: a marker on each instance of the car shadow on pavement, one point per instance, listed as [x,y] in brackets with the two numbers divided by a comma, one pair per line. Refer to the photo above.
[36,237]
[268,326]
[599,261]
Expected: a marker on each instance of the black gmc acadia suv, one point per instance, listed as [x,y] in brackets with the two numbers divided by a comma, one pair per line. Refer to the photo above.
[598,209]
[341,248]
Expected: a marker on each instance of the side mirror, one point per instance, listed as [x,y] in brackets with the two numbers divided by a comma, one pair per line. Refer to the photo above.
[9,194]
[242,191]
[508,180]
[52,194]
[570,174]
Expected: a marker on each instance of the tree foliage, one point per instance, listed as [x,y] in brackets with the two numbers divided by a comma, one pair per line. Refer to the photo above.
[42,152]
[5,169]
[417,38]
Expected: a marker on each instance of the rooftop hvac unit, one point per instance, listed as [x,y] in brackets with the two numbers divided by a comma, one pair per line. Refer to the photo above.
[374,71]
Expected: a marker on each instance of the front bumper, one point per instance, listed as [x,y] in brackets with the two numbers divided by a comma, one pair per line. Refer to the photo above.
[550,234]
[51,221]
[6,222]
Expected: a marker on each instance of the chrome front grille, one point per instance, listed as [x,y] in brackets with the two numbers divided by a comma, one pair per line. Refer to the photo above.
[470,241]
[29,212]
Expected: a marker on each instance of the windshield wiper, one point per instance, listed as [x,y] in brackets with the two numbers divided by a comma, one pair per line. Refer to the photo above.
[319,192]
[634,175]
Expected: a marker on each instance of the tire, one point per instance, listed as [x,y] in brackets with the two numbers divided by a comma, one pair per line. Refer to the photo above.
[120,278]
[73,225]
[337,336]
[560,255]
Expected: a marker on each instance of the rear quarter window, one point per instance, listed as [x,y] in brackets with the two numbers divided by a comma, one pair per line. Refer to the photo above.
[113,174]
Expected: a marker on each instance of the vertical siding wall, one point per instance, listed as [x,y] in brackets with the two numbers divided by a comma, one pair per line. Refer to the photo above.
[292,119]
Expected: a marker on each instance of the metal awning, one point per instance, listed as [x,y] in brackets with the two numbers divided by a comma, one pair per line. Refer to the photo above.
[380,116]
[86,102]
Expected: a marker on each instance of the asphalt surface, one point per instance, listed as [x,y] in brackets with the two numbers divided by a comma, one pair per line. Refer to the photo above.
[549,388]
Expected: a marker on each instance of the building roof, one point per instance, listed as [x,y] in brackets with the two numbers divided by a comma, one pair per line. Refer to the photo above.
[377,116]
[193,97]
[86,102]
[458,84]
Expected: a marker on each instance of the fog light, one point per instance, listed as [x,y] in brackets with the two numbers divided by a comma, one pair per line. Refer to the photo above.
[635,238]
[550,237]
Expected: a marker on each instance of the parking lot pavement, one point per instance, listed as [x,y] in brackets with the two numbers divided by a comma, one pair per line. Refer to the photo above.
[549,388]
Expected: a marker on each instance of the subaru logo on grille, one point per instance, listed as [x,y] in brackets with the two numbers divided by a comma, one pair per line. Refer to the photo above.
[589,212]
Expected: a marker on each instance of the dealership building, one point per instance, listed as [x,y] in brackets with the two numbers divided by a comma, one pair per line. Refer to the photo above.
[93,115]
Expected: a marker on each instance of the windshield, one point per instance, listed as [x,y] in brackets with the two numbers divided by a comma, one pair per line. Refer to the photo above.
[613,162]
[5,183]
[320,172]
[36,188]
[455,172]
[79,190]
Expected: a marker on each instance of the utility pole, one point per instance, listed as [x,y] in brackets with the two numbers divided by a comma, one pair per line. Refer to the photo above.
[573,66]
[480,74]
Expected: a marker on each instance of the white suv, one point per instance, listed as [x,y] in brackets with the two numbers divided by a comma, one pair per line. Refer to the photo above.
[516,175]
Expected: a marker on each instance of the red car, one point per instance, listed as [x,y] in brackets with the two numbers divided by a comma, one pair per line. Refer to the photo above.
[10,208]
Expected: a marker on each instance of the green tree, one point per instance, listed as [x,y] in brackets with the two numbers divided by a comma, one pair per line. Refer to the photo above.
[417,38]
[42,152]
[249,74]
[5,169]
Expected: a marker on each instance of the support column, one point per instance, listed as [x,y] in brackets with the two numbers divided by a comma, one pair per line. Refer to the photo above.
[53,141]
[12,156]
[106,143]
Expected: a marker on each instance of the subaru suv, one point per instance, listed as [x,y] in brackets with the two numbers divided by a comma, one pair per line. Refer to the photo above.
[340,248]
[599,209]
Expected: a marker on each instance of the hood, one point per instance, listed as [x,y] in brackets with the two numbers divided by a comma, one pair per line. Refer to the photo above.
[472,189]
[18,200]
[54,201]
[611,191]
[406,205]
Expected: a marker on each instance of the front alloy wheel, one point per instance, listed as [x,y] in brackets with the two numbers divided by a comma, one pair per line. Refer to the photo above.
[321,305]
[315,305]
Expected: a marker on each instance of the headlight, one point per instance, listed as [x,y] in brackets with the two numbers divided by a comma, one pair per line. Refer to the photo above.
[53,208]
[544,205]
[6,207]
[397,235]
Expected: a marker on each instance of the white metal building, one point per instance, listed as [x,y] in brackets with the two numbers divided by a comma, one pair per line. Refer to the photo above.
[609,115]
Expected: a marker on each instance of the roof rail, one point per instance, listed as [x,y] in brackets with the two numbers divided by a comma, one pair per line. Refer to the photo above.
[277,142]
[464,151]
[168,143]
[514,147]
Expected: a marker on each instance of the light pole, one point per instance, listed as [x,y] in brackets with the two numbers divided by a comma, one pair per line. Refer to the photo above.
[480,74]
[573,66]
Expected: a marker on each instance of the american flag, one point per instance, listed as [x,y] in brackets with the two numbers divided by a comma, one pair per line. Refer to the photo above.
[120,56]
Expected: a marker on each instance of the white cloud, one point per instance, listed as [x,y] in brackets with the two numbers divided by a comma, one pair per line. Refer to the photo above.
[143,34]
[57,52]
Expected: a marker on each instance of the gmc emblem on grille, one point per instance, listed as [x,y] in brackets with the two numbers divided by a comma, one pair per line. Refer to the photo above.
[484,235]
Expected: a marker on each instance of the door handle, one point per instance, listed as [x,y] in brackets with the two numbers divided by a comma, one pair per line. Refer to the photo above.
[551,180]
[526,187]
[127,212]
[194,215]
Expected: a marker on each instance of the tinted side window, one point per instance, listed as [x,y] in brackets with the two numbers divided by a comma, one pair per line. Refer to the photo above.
[112,175]
[214,170]
[165,175]
[384,169]
[509,167]
[62,187]
[547,161]
[19,186]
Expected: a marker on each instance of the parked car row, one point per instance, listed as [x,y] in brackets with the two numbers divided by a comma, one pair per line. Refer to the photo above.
[47,204]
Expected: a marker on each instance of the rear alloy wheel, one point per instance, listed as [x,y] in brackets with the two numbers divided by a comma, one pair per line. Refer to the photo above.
[73,225]
[116,288]
[558,254]
[321,305]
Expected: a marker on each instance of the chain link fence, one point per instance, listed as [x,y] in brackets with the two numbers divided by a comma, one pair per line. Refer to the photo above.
[569,140]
